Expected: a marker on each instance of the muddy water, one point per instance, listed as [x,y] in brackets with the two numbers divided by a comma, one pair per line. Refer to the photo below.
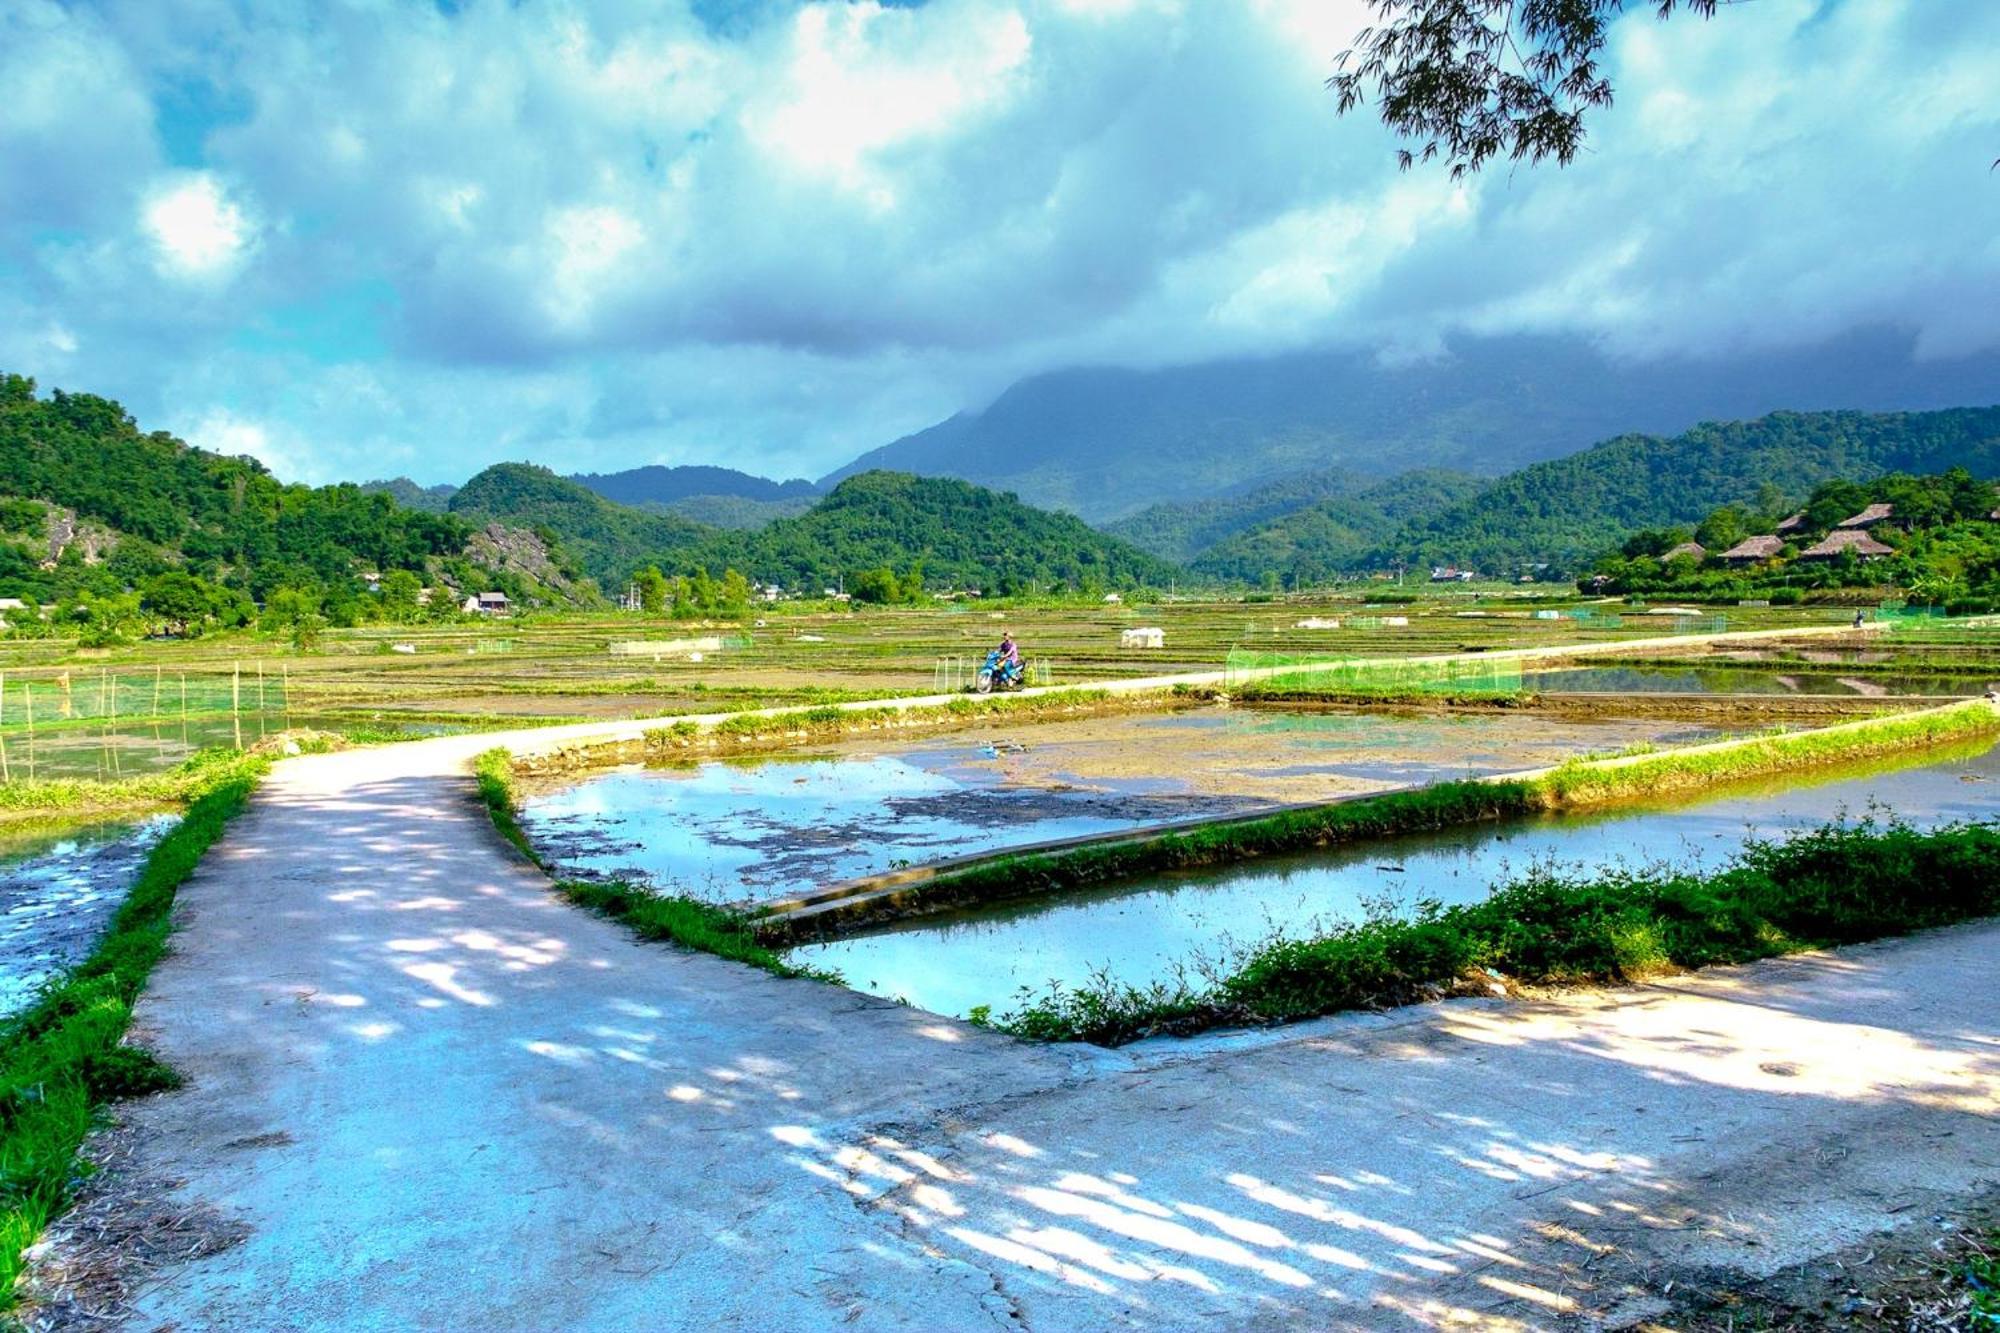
[58,890]
[1161,926]
[729,831]
[1818,678]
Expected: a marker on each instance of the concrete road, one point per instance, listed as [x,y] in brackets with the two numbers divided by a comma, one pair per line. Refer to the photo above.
[435,1097]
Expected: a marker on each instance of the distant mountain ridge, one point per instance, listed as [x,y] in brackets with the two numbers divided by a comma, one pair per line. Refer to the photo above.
[654,484]
[1107,443]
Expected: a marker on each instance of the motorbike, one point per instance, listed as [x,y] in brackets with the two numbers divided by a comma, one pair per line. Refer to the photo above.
[998,675]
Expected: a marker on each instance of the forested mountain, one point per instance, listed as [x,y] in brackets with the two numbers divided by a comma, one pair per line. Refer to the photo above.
[1183,530]
[656,485]
[1107,443]
[1315,542]
[957,534]
[963,535]
[95,506]
[1567,511]
[430,499]
[734,511]
[610,540]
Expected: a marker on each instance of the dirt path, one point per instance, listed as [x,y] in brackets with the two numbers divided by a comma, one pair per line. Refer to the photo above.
[433,1097]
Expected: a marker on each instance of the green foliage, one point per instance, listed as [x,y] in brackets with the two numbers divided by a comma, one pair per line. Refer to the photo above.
[1945,547]
[1567,511]
[63,1057]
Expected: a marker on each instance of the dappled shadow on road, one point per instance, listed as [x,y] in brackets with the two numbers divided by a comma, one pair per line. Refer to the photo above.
[401,1045]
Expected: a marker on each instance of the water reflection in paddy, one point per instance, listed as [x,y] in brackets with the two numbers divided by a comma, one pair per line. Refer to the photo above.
[1146,931]
[58,891]
[727,831]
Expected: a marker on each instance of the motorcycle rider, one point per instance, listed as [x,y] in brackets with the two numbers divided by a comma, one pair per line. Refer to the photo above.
[1010,654]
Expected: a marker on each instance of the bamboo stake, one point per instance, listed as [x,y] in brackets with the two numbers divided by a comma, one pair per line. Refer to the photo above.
[5,776]
[236,701]
[29,695]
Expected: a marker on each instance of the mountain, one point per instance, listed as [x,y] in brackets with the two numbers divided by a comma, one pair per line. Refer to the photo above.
[1106,443]
[430,499]
[733,511]
[95,506]
[1184,529]
[610,540]
[1566,511]
[664,485]
[1314,542]
[964,535]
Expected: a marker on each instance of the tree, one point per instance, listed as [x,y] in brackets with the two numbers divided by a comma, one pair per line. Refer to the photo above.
[400,591]
[735,591]
[1467,80]
[182,602]
[653,589]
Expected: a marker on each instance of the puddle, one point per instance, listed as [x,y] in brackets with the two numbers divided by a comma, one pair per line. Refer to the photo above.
[1151,929]
[58,891]
[727,831]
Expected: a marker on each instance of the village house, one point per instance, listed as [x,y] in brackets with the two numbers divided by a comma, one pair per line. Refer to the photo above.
[1692,550]
[1792,524]
[488,604]
[1869,517]
[1752,549]
[1844,541]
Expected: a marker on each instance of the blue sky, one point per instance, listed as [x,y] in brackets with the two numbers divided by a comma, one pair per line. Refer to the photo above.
[361,237]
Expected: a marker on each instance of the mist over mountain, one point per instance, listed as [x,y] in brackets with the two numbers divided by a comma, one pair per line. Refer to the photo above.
[1105,443]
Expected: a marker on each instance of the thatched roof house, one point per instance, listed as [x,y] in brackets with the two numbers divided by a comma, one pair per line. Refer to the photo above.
[1843,540]
[1694,549]
[1794,523]
[1753,548]
[1869,517]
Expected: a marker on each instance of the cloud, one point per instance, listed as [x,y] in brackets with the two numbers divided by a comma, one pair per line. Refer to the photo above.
[601,234]
[197,232]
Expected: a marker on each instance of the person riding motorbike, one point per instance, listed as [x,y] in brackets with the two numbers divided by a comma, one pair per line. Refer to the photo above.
[1002,670]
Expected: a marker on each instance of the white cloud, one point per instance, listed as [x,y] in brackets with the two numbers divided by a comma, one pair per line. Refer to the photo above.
[196,230]
[606,232]
[222,431]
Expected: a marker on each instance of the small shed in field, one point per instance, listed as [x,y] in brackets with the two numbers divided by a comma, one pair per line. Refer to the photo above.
[1146,637]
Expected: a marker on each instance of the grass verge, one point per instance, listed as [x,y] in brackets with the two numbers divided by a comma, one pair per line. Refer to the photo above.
[61,1059]
[652,916]
[827,720]
[1840,884]
[86,796]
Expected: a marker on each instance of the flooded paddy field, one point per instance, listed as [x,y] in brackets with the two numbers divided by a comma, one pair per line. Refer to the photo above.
[1160,927]
[59,888]
[728,831]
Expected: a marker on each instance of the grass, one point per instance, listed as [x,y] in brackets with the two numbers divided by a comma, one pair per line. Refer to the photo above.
[83,796]
[1840,884]
[61,1059]
[1982,1275]
[1581,782]
[674,918]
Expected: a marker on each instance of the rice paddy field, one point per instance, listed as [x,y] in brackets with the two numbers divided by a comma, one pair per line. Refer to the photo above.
[116,712]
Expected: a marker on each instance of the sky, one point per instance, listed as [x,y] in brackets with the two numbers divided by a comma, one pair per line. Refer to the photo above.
[362,238]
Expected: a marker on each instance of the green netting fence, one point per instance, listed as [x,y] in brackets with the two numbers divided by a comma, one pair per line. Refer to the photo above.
[1370,675]
[104,723]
